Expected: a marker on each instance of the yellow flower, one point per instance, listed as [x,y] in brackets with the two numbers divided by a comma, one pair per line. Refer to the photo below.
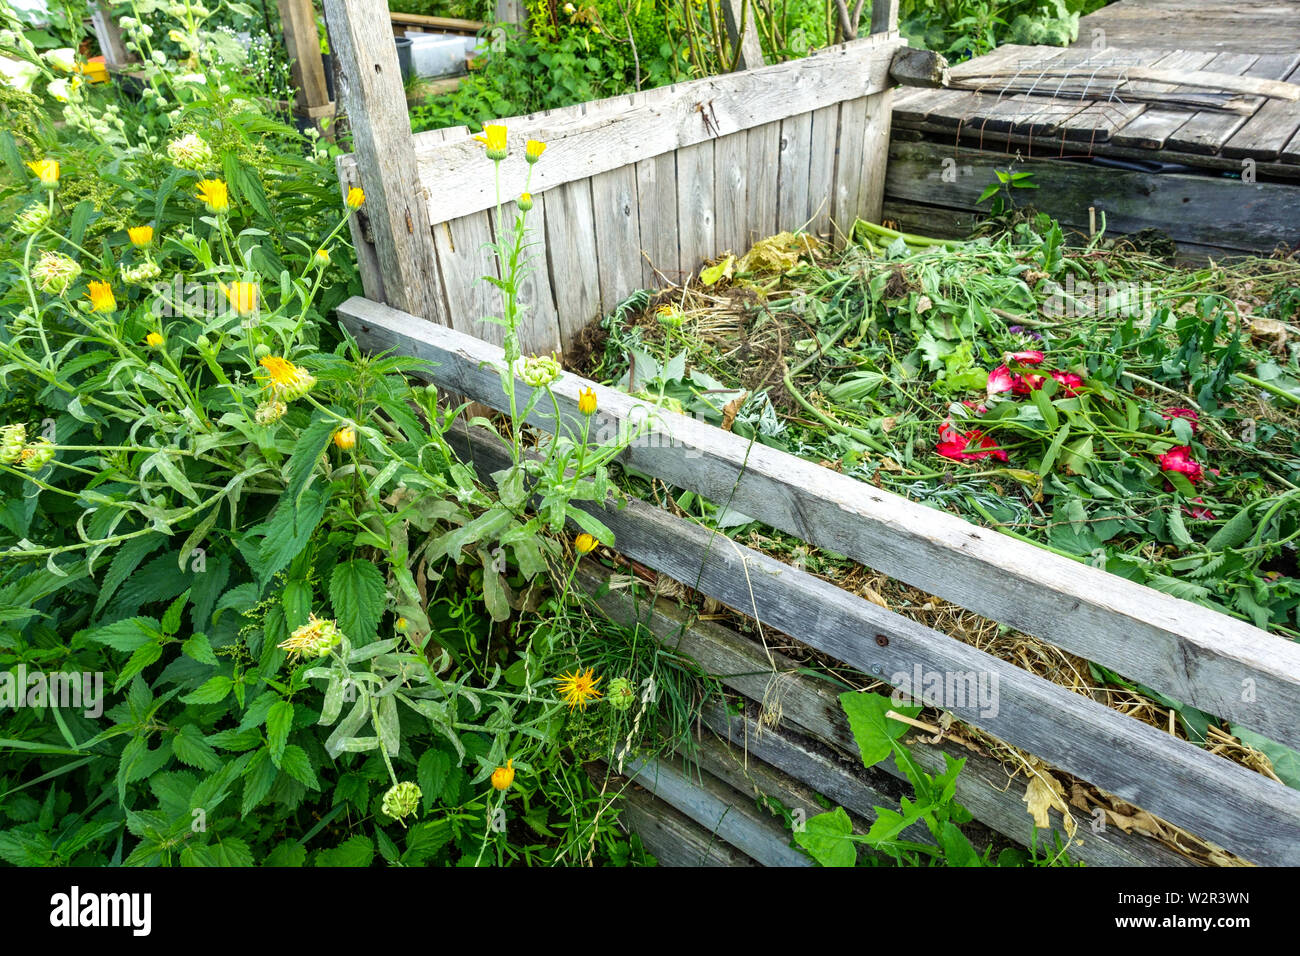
[346,438]
[101,297]
[585,543]
[525,201]
[243,297]
[494,136]
[214,195]
[47,171]
[140,236]
[356,197]
[587,402]
[533,150]
[153,339]
[669,316]
[322,257]
[503,777]
[578,688]
[286,380]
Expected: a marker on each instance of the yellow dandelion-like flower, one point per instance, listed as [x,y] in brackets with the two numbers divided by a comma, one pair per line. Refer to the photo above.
[243,297]
[587,402]
[533,150]
[153,340]
[356,198]
[313,639]
[525,201]
[47,171]
[494,137]
[585,543]
[669,315]
[140,236]
[578,688]
[101,297]
[286,381]
[346,438]
[214,194]
[503,777]
[322,258]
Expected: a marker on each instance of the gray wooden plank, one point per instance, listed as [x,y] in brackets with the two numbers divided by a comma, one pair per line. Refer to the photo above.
[848,167]
[1156,124]
[875,156]
[581,143]
[718,809]
[821,167]
[695,206]
[673,838]
[618,235]
[1206,130]
[381,134]
[1291,152]
[464,257]
[372,276]
[1178,648]
[1266,134]
[764,147]
[731,177]
[539,324]
[1225,803]
[656,183]
[792,172]
[571,247]
[811,706]
[1208,210]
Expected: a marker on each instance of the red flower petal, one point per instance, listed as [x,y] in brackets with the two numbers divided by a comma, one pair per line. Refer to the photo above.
[1070,383]
[1000,380]
[1028,357]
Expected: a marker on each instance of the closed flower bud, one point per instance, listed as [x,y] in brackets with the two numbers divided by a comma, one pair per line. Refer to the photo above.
[32,219]
[620,693]
[153,340]
[585,543]
[191,152]
[54,272]
[402,800]
[12,440]
[346,438]
[587,402]
[37,455]
[526,201]
[270,412]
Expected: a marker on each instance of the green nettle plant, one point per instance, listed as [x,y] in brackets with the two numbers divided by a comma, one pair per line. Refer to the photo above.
[320,629]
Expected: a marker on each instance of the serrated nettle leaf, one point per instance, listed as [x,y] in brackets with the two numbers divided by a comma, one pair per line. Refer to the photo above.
[358,594]
[279,721]
[199,648]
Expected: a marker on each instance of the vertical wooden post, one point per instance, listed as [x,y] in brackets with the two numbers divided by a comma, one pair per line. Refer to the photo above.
[371,89]
[109,35]
[884,16]
[298,18]
[510,11]
[751,50]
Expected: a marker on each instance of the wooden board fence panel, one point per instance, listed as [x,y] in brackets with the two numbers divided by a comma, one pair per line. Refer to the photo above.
[618,235]
[465,257]
[821,167]
[731,184]
[764,145]
[811,707]
[1231,806]
[792,171]
[571,248]
[656,183]
[673,838]
[695,207]
[1180,649]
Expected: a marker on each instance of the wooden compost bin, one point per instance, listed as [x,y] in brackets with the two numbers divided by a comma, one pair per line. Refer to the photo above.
[640,189]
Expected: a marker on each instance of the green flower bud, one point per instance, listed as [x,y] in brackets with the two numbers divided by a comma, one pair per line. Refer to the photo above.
[621,694]
[402,800]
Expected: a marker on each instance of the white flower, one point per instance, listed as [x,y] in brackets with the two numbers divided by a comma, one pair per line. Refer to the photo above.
[19,73]
[160,57]
[61,89]
[64,58]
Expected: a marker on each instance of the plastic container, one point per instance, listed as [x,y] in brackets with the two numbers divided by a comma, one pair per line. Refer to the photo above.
[440,54]
[404,56]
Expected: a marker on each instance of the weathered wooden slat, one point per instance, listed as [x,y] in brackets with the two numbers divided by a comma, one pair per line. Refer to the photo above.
[1206,130]
[738,17]
[465,256]
[618,235]
[109,34]
[812,707]
[581,144]
[848,168]
[1230,214]
[718,809]
[372,276]
[1155,125]
[1235,808]
[792,172]
[695,207]
[1265,135]
[821,168]
[875,152]
[764,145]
[1223,802]
[1188,652]
[656,184]
[539,328]
[371,89]
[731,175]
[571,248]
[673,838]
